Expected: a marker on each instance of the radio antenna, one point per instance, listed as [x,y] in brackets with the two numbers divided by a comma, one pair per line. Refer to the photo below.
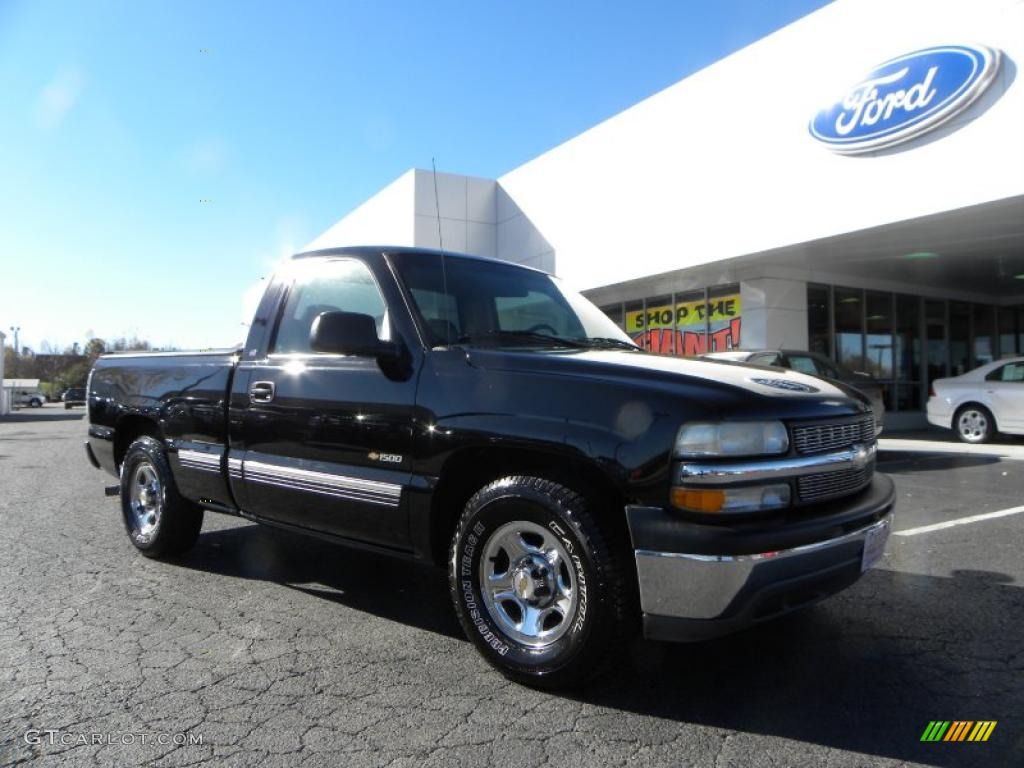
[444,268]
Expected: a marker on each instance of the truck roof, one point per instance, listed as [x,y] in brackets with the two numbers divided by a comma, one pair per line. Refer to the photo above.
[367,250]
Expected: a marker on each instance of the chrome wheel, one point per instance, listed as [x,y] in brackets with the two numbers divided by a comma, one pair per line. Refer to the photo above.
[145,500]
[973,425]
[528,583]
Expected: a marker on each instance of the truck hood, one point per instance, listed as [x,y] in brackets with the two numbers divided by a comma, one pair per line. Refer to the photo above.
[773,388]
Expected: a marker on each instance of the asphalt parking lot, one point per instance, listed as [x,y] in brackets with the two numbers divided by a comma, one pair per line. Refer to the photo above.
[278,650]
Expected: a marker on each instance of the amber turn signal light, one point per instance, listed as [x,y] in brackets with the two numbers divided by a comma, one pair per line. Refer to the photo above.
[698,500]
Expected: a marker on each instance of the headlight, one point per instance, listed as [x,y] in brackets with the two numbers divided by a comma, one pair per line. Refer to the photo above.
[700,439]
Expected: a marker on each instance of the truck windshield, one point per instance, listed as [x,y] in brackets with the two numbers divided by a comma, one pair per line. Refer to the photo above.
[494,304]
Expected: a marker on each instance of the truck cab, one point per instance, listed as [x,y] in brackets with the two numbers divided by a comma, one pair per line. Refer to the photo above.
[482,416]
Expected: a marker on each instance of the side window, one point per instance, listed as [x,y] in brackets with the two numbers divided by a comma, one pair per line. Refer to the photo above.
[439,313]
[827,369]
[804,364]
[1008,372]
[772,359]
[328,286]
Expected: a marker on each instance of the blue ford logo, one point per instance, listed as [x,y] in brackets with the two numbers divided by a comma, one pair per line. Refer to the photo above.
[786,384]
[905,97]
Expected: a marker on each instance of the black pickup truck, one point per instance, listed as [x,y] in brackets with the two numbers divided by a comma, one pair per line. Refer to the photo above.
[480,416]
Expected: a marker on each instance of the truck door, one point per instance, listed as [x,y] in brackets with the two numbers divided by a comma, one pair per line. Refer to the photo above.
[325,440]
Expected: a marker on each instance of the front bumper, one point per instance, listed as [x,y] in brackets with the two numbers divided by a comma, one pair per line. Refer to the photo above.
[708,580]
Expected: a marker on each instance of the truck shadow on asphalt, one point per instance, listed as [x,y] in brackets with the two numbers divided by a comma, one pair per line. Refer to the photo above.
[864,671]
[904,462]
[412,593]
[38,417]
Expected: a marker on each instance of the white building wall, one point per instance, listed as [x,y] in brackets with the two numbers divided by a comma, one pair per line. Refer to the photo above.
[774,313]
[721,164]
[384,219]
[468,208]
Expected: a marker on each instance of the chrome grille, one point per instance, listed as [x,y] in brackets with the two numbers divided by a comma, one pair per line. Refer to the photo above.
[818,438]
[828,485]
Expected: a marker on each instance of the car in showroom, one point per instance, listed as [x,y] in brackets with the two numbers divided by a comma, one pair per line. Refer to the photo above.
[816,365]
[982,403]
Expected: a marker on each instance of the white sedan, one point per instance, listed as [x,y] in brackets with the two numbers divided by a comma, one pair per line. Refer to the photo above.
[981,402]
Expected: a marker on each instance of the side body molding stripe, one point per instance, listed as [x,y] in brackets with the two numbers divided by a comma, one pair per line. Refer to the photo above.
[206,462]
[324,483]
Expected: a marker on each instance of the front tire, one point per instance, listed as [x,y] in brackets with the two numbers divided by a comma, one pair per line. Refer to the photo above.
[536,584]
[159,521]
[974,424]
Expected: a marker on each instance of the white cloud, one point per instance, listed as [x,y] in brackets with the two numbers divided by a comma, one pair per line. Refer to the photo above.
[59,97]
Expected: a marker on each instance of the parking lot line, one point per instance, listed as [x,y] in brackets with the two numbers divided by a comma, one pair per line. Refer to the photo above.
[959,521]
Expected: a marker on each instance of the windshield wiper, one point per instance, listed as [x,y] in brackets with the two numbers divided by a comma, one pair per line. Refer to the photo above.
[547,339]
[606,342]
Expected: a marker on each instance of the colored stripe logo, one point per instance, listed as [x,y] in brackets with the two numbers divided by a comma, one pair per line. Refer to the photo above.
[958,730]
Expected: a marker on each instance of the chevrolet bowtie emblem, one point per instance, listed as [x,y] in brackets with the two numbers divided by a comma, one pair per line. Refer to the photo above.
[862,455]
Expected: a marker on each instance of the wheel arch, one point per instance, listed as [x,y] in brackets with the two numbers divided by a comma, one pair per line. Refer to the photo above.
[128,430]
[968,403]
[468,470]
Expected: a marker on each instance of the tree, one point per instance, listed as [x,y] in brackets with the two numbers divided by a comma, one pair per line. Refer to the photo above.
[74,376]
[94,348]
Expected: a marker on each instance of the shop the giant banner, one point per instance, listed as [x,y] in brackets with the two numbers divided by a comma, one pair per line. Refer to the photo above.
[680,331]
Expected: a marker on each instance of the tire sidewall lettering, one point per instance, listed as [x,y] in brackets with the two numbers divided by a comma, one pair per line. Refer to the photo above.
[466,566]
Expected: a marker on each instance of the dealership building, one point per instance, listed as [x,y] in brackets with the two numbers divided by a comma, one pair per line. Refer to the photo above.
[851,184]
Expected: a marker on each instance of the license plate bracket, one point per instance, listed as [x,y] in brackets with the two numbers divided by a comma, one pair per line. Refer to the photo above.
[874,545]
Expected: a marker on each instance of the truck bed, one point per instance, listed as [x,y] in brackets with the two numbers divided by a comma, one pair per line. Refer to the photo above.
[184,395]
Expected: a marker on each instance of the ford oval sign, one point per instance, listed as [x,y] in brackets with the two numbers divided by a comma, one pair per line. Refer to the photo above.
[906,97]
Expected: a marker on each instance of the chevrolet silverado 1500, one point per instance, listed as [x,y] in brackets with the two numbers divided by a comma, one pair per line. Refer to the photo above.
[481,416]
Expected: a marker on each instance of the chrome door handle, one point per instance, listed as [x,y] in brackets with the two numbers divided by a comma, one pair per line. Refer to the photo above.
[261,392]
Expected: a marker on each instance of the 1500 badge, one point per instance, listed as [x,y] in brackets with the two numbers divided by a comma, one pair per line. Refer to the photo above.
[390,458]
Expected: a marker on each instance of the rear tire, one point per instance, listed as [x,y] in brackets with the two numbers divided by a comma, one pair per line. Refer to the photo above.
[160,522]
[974,424]
[536,584]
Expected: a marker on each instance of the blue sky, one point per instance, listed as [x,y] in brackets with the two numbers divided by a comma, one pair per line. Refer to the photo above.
[118,118]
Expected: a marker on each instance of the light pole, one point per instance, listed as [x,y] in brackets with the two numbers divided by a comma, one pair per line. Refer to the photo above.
[14,360]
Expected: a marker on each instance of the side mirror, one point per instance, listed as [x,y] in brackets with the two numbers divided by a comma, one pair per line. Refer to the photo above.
[350,333]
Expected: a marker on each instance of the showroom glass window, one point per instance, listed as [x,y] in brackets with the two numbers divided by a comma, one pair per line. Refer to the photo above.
[878,341]
[659,325]
[937,348]
[907,353]
[819,313]
[686,323]
[959,338]
[984,348]
[1006,330]
[849,335]
[724,318]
